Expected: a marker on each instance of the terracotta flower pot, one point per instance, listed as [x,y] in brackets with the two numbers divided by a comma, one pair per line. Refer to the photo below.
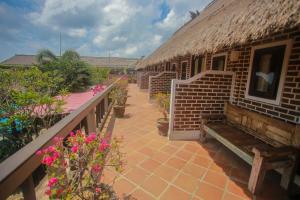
[163,126]
[119,111]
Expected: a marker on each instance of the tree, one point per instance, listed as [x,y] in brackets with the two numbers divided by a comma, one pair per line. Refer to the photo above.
[75,73]
[44,56]
[27,105]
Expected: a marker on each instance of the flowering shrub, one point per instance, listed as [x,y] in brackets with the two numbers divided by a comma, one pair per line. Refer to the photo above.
[75,166]
[98,88]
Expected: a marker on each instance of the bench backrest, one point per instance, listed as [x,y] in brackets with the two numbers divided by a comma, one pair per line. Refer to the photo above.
[272,131]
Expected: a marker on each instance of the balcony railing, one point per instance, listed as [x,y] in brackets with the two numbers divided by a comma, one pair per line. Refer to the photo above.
[16,171]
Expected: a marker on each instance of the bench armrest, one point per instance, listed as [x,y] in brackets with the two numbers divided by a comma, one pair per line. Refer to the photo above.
[281,152]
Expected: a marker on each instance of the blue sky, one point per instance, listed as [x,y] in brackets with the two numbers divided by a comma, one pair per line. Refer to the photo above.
[129,28]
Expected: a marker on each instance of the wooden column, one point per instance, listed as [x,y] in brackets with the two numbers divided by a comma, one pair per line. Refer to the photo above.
[28,189]
[91,121]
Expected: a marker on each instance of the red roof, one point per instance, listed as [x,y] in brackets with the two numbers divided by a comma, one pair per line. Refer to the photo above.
[75,100]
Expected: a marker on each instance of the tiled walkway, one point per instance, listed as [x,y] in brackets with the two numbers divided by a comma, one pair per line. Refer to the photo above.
[161,169]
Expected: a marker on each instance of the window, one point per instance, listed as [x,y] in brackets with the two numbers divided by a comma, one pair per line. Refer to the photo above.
[266,71]
[173,67]
[183,70]
[197,65]
[168,66]
[218,62]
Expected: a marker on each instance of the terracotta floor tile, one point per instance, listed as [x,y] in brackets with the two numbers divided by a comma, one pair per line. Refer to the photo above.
[194,170]
[205,153]
[229,196]
[192,147]
[220,167]
[137,175]
[167,173]
[108,176]
[186,182]
[141,195]
[169,149]
[176,163]
[141,138]
[238,189]
[184,155]
[241,174]
[156,144]
[155,185]
[215,178]
[150,165]
[134,158]
[160,157]
[123,187]
[173,193]
[209,192]
[201,161]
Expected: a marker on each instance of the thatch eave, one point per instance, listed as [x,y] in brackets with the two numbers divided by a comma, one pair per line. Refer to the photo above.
[225,23]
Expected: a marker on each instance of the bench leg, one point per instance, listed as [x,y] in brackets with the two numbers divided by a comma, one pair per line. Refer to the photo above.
[257,176]
[287,176]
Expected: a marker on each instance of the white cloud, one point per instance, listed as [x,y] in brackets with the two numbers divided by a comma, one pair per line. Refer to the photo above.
[119,39]
[98,40]
[157,39]
[171,21]
[129,51]
[95,27]
[81,32]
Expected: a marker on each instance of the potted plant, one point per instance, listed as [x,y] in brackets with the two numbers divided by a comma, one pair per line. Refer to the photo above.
[119,97]
[163,103]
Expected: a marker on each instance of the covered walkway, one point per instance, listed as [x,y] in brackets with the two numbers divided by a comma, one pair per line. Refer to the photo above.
[157,168]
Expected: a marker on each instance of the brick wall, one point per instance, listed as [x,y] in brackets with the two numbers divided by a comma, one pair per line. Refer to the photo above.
[139,77]
[161,83]
[205,93]
[144,80]
[289,107]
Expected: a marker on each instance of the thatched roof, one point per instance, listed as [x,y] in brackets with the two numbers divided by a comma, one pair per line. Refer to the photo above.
[113,62]
[225,23]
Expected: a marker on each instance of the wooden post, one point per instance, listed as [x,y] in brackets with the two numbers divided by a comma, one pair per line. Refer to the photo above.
[258,172]
[91,121]
[105,104]
[28,189]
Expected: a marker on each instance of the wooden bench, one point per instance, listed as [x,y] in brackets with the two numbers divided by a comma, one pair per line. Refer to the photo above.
[263,142]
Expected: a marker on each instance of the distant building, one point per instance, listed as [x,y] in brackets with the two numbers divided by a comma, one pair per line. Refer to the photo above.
[107,62]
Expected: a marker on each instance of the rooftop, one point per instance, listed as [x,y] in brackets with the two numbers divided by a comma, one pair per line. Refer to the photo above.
[113,62]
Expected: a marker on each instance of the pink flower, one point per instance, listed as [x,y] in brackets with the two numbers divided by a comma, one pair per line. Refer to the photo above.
[47,160]
[52,182]
[51,149]
[45,150]
[90,138]
[98,190]
[98,88]
[38,153]
[56,155]
[72,134]
[74,149]
[104,145]
[96,168]
[48,192]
